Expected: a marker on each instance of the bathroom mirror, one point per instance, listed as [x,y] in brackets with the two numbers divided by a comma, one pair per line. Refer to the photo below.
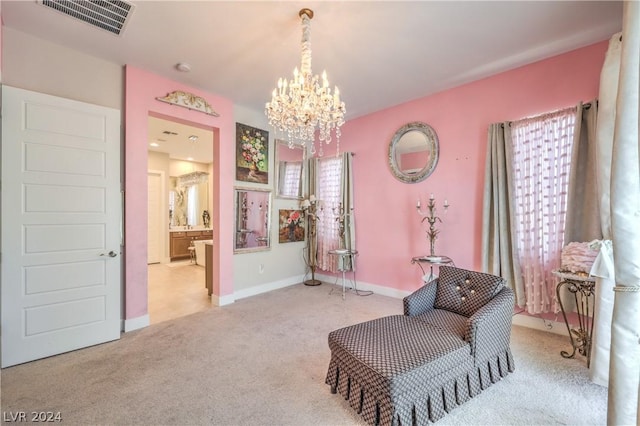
[252,213]
[188,200]
[289,170]
[413,152]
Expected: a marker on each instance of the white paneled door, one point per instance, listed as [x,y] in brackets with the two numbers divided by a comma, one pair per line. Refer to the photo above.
[61,225]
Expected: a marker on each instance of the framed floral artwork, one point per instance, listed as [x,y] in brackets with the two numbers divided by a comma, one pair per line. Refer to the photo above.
[252,154]
[291,227]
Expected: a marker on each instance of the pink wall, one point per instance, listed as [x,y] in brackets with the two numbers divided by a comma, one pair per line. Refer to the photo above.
[141,90]
[1,29]
[388,228]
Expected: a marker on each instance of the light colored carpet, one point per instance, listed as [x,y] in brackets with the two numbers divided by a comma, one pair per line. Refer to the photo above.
[263,360]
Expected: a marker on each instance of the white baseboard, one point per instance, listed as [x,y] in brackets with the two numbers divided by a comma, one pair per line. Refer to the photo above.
[520,320]
[264,288]
[540,324]
[135,323]
[361,285]
[143,321]
[222,300]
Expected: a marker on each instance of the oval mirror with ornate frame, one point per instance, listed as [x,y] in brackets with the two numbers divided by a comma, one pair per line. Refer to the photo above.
[414,152]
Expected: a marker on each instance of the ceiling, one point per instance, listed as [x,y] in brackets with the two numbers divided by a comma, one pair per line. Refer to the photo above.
[379,54]
[180,141]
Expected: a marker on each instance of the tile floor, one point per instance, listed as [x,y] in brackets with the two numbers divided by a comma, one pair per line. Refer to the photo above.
[175,290]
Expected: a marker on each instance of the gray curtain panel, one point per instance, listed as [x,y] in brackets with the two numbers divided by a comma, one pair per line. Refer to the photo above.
[604,294]
[624,370]
[345,263]
[605,129]
[583,205]
[499,256]
[312,243]
[282,169]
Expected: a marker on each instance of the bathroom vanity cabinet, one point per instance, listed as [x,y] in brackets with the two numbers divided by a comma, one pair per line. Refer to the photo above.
[180,241]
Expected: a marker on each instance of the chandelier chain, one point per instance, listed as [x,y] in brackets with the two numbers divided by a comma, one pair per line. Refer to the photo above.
[305,66]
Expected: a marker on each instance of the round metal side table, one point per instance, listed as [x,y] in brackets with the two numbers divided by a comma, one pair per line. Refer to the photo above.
[431,261]
[344,253]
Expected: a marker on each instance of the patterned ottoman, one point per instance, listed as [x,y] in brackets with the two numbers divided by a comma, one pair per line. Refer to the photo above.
[411,369]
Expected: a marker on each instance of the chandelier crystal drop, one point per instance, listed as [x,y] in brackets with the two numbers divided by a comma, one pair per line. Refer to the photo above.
[305,103]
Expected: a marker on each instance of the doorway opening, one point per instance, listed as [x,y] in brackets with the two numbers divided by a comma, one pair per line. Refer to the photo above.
[179,177]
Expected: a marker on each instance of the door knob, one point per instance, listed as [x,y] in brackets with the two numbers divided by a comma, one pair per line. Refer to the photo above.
[110,254]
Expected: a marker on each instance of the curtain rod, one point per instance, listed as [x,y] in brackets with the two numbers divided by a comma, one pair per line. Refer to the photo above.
[585,105]
[353,154]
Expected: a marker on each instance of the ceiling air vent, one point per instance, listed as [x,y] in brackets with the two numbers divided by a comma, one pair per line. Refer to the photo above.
[109,15]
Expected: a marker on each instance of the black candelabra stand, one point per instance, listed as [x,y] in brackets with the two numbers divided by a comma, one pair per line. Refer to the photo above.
[431,217]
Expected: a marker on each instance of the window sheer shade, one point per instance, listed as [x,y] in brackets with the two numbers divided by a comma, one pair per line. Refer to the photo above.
[542,164]
[328,232]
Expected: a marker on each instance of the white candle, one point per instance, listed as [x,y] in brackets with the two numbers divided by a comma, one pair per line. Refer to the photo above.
[431,197]
[418,205]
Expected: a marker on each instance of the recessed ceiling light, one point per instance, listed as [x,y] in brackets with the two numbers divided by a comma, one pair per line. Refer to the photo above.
[190,158]
[154,144]
[183,67]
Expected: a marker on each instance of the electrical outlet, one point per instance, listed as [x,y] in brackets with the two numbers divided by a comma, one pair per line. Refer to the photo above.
[261,268]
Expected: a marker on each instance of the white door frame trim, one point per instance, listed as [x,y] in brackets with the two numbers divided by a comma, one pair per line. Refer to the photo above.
[164,258]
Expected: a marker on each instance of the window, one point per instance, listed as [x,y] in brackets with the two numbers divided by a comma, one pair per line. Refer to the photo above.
[292,178]
[541,165]
[192,205]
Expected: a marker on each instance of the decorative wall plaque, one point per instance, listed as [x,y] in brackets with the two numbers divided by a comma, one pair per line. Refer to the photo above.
[189,101]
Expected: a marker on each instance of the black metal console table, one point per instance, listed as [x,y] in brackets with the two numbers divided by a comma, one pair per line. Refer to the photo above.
[583,289]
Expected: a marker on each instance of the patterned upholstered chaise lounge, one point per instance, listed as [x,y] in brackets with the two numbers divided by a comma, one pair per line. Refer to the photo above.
[451,343]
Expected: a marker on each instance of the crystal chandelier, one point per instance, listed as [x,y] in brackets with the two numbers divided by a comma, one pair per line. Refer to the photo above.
[302,104]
